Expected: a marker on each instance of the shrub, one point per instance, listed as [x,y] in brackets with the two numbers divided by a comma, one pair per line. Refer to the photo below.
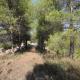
[6,45]
[60,42]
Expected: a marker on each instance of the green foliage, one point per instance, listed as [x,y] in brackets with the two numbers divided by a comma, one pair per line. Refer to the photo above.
[5,45]
[3,32]
[54,15]
[56,43]
[61,41]
[5,14]
[48,20]
[77,45]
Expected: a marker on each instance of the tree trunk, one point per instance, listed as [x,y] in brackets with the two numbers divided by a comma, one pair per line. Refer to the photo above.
[26,44]
[41,45]
[71,52]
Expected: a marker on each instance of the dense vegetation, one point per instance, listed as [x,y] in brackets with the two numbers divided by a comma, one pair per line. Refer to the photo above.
[43,21]
[49,27]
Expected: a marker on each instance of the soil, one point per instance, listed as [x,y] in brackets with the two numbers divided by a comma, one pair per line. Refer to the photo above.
[17,68]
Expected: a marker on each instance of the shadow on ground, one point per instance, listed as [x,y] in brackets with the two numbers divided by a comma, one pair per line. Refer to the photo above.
[53,72]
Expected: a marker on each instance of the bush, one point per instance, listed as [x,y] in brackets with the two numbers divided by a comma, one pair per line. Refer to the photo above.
[6,45]
[60,42]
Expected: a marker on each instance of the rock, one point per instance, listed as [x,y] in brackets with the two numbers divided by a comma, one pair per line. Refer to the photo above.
[9,51]
[16,49]
[22,47]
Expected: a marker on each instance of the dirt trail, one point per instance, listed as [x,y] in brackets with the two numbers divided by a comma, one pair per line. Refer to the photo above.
[17,69]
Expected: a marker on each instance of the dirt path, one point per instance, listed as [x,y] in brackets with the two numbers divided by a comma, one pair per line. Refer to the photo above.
[17,69]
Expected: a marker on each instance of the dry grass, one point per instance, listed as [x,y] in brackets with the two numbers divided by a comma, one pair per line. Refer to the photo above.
[16,67]
[58,69]
[31,66]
